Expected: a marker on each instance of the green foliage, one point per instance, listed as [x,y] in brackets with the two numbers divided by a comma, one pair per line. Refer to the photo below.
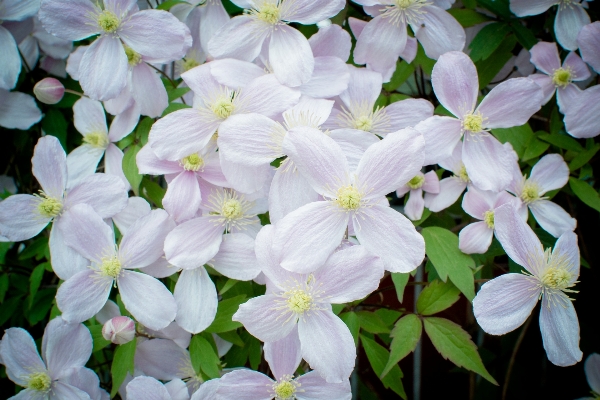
[203,353]
[225,311]
[436,297]
[400,280]
[378,357]
[353,324]
[122,364]
[468,17]
[585,193]
[130,168]
[371,322]
[488,40]
[97,338]
[405,336]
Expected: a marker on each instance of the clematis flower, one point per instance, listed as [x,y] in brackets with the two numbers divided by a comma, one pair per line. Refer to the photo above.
[581,117]
[23,216]
[61,373]
[592,373]
[557,78]
[504,303]
[40,40]
[452,187]
[283,357]
[147,388]
[119,330]
[511,103]
[85,293]
[290,55]
[550,173]
[18,110]
[428,183]
[303,301]
[570,17]
[307,236]
[589,45]
[104,65]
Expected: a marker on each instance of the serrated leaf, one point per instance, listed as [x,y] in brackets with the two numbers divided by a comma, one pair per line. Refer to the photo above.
[378,357]
[436,297]
[535,148]
[204,357]
[371,322]
[583,158]
[122,364]
[487,40]
[351,321]
[585,193]
[225,311]
[466,17]
[561,141]
[454,344]
[130,168]
[97,338]
[441,247]
[524,35]
[518,136]
[400,280]
[405,336]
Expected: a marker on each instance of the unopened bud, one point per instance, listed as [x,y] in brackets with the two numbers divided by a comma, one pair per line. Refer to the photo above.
[119,330]
[49,90]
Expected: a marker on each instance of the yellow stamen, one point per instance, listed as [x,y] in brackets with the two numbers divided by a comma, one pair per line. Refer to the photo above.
[473,123]
[488,217]
[223,107]
[562,77]
[531,192]
[284,390]
[348,197]
[96,139]
[111,266]
[108,21]
[49,207]
[269,13]
[39,381]
[232,209]
[416,182]
[133,57]
[299,301]
[192,162]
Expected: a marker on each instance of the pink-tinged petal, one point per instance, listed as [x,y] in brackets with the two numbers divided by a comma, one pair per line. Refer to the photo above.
[511,103]
[19,355]
[290,56]
[245,384]
[568,97]
[124,123]
[589,45]
[251,139]
[66,261]
[289,191]
[162,359]
[182,198]
[581,71]
[349,274]
[245,178]
[87,233]
[267,258]
[185,253]
[327,345]
[69,19]
[241,38]
[441,135]
[550,173]
[354,143]
[329,78]
[544,56]
[103,69]
[148,90]
[155,33]
[523,8]
[266,96]
[181,133]
[488,163]
[82,162]
[236,258]
[566,248]
[363,90]
[315,388]
[432,183]
[475,238]
[317,111]
[120,103]
[552,217]
[49,166]
[308,12]
[207,391]
[391,236]
[196,298]
[560,330]
[235,73]
[17,10]
[146,388]
[142,245]
[409,53]
[517,239]
[113,164]
[307,236]
[380,43]
[74,61]
[89,117]
[476,202]
[66,346]
[85,380]
[581,117]
[407,113]
[455,82]
[265,318]
[213,16]
[439,32]
[161,268]
[318,158]
[177,390]
[568,23]
[11,60]
[20,218]
[415,205]
[545,82]
[592,371]
[18,110]
[61,390]
[83,295]
[450,190]
[356,26]
[390,163]
[284,355]
[106,194]
[504,303]
[147,299]
[110,310]
[331,41]
[149,163]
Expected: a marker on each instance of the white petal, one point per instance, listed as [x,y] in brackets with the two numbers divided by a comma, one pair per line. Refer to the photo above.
[289,191]
[66,346]
[182,198]
[475,238]
[568,24]
[439,32]
[236,258]
[66,261]
[148,90]
[264,318]
[103,69]
[49,166]
[284,355]
[185,253]
[450,190]
[560,330]
[19,355]
[455,82]
[20,218]
[89,117]
[196,298]
[10,65]
[18,110]
[82,162]
[550,173]
[488,163]
[83,295]
[146,388]
[290,56]
[552,217]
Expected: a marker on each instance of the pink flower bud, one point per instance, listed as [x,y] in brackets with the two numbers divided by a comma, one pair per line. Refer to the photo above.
[119,330]
[49,91]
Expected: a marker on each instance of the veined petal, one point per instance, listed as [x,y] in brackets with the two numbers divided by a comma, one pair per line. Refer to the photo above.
[235,73]
[589,45]
[18,10]
[552,217]
[66,346]
[550,173]
[331,41]
[364,88]
[148,90]
[66,261]
[545,57]
[162,359]
[124,123]
[487,161]
[245,384]
[185,253]
[354,143]
[240,38]
[592,371]
[450,190]
[89,117]
[455,83]
[113,164]
[315,388]
[18,110]
[475,238]
[380,43]
[441,135]
[105,193]
[243,177]
[149,163]
[408,113]
[20,218]
[83,295]
[523,8]
[290,56]
[308,12]
[266,317]
[545,82]
[265,95]
[20,355]
[569,20]
[70,19]
[146,388]
[580,117]
[82,162]
[236,258]
[439,32]
[415,205]
[182,198]
[581,71]
[284,355]
[560,330]
[10,66]
[196,297]
[49,166]
[476,202]
[289,191]
[329,78]
[213,16]
[103,69]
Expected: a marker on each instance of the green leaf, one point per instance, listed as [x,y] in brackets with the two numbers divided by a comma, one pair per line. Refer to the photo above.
[166,5]
[535,148]
[436,297]
[518,136]
[441,247]
[204,357]
[401,74]
[466,17]
[3,286]
[351,321]
[421,59]
[177,93]
[174,107]
[454,344]
[585,193]
[583,158]
[400,280]
[55,124]
[254,352]
[371,322]
[228,285]
[232,337]
[41,306]
[487,69]
[561,141]
[523,34]
[152,191]
[122,363]
[143,130]
[38,248]
[500,8]
[9,307]
[225,311]
[405,336]
[378,357]
[488,40]
[130,168]
[35,280]
[97,338]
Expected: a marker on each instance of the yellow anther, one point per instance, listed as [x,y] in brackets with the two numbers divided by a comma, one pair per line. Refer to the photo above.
[96,139]
[192,162]
[223,107]
[530,193]
[39,381]
[416,182]
[284,390]
[269,13]
[348,197]
[232,209]
[190,63]
[108,21]
[111,266]
[488,217]
[473,123]
[364,123]
[562,77]
[404,4]
[133,57]
[462,174]
[556,278]
[299,301]
[49,207]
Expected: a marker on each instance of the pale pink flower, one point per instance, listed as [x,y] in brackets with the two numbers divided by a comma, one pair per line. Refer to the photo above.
[581,118]
[428,183]
[49,91]
[504,303]
[147,388]
[50,46]
[452,187]
[85,293]
[18,110]
[119,330]
[589,44]
[303,302]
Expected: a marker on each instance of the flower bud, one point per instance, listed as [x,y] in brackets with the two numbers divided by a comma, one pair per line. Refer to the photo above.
[119,330]
[49,90]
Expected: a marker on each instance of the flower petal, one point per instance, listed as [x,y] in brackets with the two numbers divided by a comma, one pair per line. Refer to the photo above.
[581,71]
[580,117]
[568,24]
[182,198]
[363,90]
[196,298]
[89,117]
[236,258]
[148,90]
[290,56]
[106,194]
[475,238]
[331,41]
[240,38]
[455,82]
[380,43]
[66,261]
[265,95]
[487,161]
[284,355]
[20,218]
[18,110]
[10,66]
[315,388]
[407,113]
[162,359]
[550,173]
[560,330]
[329,78]
[103,69]
[70,19]
[589,44]
[82,162]
[450,190]
[265,318]
[147,388]
[66,346]
[523,8]
[545,57]
[415,205]
[289,191]
[441,135]
[83,295]
[308,12]
[185,253]
[49,166]
[592,371]
[552,217]
[20,355]
[439,32]
[245,384]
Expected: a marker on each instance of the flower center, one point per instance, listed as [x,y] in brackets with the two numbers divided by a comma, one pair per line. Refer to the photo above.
[562,77]
[190,63]
[133,57]
[268,13]
[223,107]
[39,381]
[416,182]
[462,174]
[232,209]
[284,390]
[488,217]
[556,278]
[299,301]
[348,197]
[530,193]
[473,123]
[108,21]
[192,162]
[405,11]
[96,139]
[111,266]
[49,207]
[364,123]
[404,4]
